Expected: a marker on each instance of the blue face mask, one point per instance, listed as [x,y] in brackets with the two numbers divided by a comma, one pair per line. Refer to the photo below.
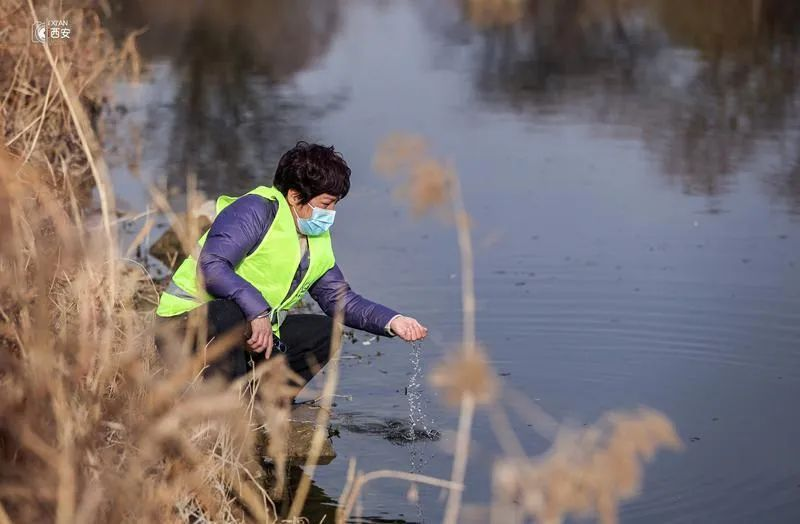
[321,220]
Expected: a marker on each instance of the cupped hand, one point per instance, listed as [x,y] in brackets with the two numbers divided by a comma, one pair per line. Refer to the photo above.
[261,339]
[407,328]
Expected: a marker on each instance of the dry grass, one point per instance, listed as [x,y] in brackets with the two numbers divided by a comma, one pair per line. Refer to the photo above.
[36,120]
[428,182]
[465,373]
[92,428]
[586,472]
[433,184]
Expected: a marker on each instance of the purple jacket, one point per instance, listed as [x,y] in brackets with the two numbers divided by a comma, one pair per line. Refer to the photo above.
[237,231]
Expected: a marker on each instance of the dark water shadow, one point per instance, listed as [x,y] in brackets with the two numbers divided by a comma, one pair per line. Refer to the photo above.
[396,431]
[321,507]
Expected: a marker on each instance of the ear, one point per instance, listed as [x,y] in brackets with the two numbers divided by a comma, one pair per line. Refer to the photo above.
[293,196]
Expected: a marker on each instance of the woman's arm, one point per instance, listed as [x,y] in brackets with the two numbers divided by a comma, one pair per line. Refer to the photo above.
[359,313]
[234,234]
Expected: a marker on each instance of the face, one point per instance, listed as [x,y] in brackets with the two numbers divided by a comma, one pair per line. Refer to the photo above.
[323,201]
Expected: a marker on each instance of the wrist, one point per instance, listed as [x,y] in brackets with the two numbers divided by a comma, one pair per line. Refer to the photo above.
[263,314]
[388,327]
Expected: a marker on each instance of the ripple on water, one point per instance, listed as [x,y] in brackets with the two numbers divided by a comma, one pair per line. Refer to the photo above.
[758,329]
[702,497]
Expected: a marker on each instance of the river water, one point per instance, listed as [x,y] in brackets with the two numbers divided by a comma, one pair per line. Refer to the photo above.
[633,175]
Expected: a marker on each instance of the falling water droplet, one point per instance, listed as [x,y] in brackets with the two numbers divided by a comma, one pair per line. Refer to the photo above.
[418,427]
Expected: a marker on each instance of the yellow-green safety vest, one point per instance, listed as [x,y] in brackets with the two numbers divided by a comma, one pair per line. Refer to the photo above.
[270,268]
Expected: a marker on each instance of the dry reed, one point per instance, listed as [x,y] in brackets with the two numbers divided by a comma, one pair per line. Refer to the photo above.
[433,184]
[91,433]
[92,427]
[462,372]
[587,471]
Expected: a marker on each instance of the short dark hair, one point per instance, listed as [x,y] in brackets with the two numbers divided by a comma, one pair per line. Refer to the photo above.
[312,169]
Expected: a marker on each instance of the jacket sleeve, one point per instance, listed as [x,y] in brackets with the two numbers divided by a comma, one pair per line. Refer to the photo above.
[234,234]
[359,313]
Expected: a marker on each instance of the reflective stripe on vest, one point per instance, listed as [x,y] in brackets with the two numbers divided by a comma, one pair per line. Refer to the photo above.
[270,268]
[175,291]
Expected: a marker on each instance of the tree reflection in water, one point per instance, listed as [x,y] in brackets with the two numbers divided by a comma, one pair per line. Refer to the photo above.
[705,84]
[231,116]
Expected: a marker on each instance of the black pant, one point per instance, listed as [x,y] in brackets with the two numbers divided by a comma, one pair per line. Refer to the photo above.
[307,339]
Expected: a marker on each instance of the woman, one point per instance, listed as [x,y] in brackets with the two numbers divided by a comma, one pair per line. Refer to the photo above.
[263,251]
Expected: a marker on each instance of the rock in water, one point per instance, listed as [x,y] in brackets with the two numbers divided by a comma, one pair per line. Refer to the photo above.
[302,425]
[301,433]
[168,248]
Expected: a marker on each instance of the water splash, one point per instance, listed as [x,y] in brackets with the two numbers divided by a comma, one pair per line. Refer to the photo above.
[393,430]
[416,414]
[418,427]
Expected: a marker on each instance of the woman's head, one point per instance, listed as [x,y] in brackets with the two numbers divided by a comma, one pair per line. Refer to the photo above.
[307,172]
[313,178]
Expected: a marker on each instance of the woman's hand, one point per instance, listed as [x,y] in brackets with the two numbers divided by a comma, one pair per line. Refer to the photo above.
[261,340]
[408,328]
